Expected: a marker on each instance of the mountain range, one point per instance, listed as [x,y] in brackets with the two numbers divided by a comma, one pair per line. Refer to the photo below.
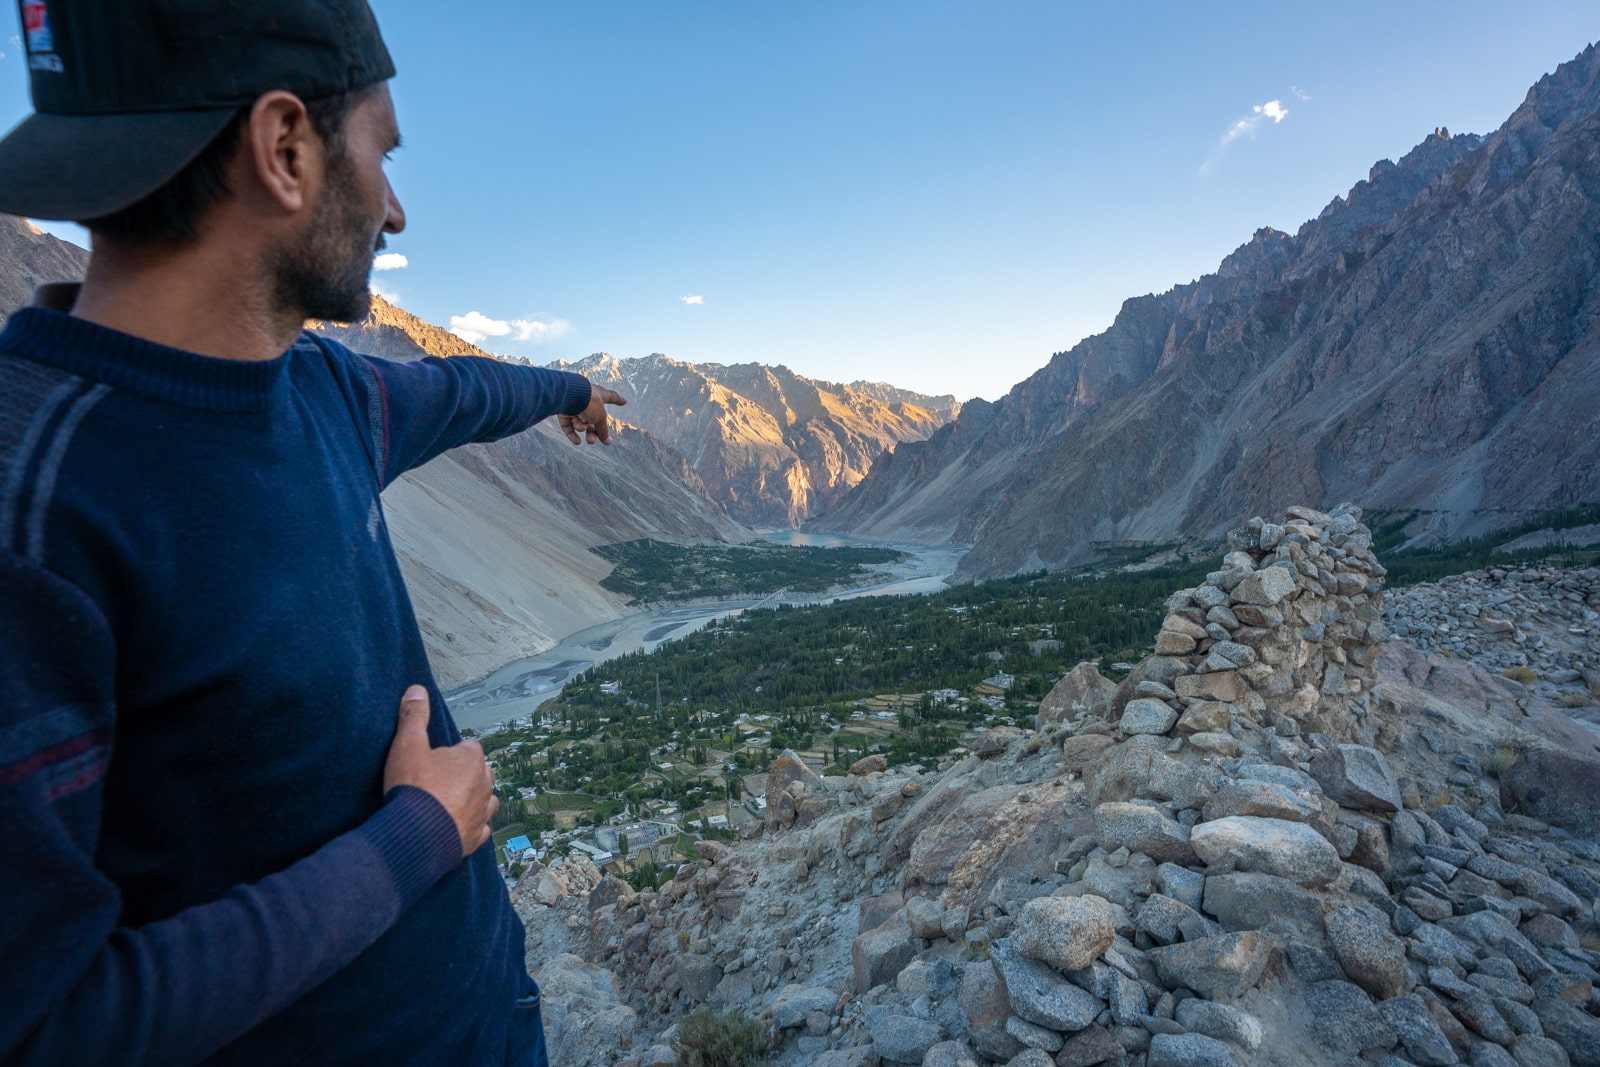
[773,446]
[1429,342]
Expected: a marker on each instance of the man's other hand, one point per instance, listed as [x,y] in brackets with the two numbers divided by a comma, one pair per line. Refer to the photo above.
[457,776]
[591,424]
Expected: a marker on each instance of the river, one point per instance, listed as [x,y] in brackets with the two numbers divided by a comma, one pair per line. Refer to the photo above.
[516,690]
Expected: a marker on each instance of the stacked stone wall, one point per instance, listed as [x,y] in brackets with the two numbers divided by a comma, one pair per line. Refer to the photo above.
[1284,635]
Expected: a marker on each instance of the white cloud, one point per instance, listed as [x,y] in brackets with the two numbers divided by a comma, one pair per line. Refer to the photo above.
[391,295]
[693,299]
[1299,93]
[390,261]
[475,327]
[1246,127]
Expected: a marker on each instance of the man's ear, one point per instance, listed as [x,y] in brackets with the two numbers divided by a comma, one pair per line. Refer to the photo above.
[282,151]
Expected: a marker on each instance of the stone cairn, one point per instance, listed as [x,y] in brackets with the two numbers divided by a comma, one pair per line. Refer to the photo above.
[1284,635]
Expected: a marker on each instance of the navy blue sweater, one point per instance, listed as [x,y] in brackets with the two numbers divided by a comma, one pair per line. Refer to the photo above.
[203,641]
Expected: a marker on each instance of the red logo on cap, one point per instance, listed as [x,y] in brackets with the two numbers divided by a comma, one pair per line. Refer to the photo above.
[36,21]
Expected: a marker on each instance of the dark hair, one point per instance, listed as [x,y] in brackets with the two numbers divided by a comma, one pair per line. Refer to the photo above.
[171,215]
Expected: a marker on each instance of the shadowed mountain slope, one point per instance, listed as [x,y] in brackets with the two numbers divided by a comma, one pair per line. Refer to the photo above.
[1428,342]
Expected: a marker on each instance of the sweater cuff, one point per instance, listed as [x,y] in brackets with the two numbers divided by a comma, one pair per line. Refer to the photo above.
[417,839]
[578,393]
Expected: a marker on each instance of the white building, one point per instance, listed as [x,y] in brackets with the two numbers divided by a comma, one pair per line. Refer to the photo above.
[599,855]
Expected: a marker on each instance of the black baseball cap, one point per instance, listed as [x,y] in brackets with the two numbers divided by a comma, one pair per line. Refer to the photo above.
[127,92]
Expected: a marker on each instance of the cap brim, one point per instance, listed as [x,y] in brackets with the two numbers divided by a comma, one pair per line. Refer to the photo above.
[87,166]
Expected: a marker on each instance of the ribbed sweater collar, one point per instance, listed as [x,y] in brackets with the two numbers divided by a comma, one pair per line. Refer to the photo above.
[126,362]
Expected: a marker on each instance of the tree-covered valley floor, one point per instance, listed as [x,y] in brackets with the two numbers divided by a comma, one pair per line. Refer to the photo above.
[673,734]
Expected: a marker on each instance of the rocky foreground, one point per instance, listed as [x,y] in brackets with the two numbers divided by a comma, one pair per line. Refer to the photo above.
[1283,839]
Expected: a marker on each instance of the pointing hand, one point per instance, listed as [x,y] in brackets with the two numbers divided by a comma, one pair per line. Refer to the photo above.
[591,424]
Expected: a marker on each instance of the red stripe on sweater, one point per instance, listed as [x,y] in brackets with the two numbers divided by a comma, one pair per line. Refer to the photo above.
[37,762]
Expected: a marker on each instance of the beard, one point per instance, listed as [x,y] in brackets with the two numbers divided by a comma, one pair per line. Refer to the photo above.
[326,275]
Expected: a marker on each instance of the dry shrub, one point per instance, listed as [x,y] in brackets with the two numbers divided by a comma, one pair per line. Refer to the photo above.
[708,1038]
[1500,760]
[1525,675]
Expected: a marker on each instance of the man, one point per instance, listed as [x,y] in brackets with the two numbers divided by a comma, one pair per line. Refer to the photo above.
[216,842]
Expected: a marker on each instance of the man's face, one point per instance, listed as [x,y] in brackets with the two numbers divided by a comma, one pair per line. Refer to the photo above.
[325,274]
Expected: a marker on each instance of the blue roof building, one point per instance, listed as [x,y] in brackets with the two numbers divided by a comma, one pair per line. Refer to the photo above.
[516,846]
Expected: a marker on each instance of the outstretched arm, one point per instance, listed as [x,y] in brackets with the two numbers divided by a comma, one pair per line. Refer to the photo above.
[79,988]
[417,411]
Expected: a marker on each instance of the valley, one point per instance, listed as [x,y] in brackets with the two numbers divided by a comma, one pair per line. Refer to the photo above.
[517,689]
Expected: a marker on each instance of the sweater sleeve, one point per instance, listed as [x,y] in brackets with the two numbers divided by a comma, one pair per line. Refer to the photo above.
[425,408]
[78,987]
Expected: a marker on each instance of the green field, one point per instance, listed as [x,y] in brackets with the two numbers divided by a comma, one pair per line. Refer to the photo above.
[648,570]
[1414,565]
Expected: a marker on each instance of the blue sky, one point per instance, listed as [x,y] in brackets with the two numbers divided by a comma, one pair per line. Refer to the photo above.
[935,194]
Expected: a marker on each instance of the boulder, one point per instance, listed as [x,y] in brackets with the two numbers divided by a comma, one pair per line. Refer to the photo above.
[901,1038]
[949,1054]
[1272,846]
[698,974]
[1218,968]
[925,917]
[787,769]
[1345,1020]
[985,1009]
[1082,751]
[878,909]
[867,764]
[1147,715]
[1031,1057]
[1556,786]
[1141,828]
[1370,954]
[1357,777]
[1083,691]
[878,954]
[1221,1021]
[1040,993]
[585,1020]
[1089,1046]
[1161,918]
[1067,932]
[794,1002]
[1573,1029]
[1039,1039]
[1252,901]
[1410,1018]
[609,890]
[1534,1050]
[1181,884]
[1206,717]
[1189,1050]
[1139,768]
[1264,588]
[1264,800]
[1224,686]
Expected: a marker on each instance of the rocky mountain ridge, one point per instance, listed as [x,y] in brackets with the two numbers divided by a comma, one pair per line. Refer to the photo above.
[394,333]
[30,258]
[1284,839]
[773,446]
[1428,341]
